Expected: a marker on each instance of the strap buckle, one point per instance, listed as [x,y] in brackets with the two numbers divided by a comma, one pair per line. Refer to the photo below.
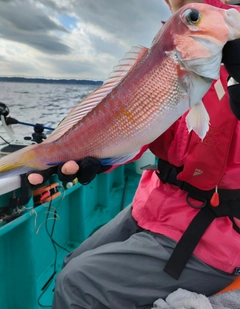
[196,198]
[168,174]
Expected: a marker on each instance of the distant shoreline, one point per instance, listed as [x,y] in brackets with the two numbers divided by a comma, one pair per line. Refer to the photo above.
[50,81]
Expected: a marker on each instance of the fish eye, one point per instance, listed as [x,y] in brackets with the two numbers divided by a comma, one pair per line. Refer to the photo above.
[192,16]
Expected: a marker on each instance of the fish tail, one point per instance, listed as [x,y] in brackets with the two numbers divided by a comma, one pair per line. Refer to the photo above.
[19,162]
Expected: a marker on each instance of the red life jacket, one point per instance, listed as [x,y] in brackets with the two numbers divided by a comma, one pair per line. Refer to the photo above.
[202,170]
[206,160]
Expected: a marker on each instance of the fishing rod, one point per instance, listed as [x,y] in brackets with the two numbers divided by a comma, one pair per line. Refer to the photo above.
[11,120]
[15,143]
[4,111]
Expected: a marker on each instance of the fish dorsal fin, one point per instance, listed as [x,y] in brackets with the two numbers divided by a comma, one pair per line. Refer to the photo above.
[119,72]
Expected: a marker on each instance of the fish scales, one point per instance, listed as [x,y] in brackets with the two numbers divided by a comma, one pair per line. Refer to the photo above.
[127,112]
[144,95]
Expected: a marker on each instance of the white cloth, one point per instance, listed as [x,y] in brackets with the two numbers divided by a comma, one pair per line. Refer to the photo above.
[183,299]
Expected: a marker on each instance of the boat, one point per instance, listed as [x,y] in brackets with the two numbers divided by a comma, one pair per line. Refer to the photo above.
[38,228]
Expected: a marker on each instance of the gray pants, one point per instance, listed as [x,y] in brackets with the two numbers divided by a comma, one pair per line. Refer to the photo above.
[121,267]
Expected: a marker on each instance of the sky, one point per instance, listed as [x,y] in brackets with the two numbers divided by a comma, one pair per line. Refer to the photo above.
[80,39]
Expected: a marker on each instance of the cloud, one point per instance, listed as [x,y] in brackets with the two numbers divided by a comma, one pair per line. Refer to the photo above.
[24,22]
[73,38]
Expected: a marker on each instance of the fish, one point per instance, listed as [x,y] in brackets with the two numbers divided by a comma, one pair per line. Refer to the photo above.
[147,91]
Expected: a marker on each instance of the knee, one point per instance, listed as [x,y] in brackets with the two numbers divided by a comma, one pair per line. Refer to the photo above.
[72,286]
[67,259]
[62,281]
[68,291]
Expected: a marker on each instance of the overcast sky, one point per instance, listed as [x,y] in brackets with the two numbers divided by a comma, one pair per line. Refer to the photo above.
[80,39]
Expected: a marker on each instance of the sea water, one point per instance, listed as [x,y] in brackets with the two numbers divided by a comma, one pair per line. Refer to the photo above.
[33,103]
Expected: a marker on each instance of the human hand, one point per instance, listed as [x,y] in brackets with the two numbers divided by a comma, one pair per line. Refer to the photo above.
[234,97]
[231,59]
[175,5]
[85,171]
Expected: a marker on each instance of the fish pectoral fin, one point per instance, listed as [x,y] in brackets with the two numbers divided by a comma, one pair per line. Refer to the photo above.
[197,120]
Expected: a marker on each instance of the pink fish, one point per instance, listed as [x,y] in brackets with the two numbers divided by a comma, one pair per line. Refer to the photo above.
[146,92]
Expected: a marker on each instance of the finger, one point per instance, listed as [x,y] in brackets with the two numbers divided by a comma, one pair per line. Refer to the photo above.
[35,179]
[70,168]
[68,171]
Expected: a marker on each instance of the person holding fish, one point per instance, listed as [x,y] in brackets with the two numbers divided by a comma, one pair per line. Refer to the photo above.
[182,229]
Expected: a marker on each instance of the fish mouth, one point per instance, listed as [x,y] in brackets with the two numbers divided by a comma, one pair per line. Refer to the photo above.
[232,19]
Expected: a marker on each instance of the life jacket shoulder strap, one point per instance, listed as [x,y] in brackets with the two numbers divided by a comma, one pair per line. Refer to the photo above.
[188,242]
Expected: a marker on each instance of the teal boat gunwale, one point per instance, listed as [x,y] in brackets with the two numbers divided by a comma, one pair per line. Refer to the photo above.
[28,213]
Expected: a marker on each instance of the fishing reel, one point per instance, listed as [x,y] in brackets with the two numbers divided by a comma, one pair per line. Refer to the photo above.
[16,142]
[4,110]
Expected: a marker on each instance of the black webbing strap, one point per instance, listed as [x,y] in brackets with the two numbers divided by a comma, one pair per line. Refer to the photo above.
[188,242]
[229,206]
[168,173]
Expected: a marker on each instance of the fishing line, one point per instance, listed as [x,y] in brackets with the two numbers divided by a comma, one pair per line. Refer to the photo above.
[41,224]
[55,258]
[55,217]
[51,210]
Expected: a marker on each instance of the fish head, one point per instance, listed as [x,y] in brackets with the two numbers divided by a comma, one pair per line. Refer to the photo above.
[197,34]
